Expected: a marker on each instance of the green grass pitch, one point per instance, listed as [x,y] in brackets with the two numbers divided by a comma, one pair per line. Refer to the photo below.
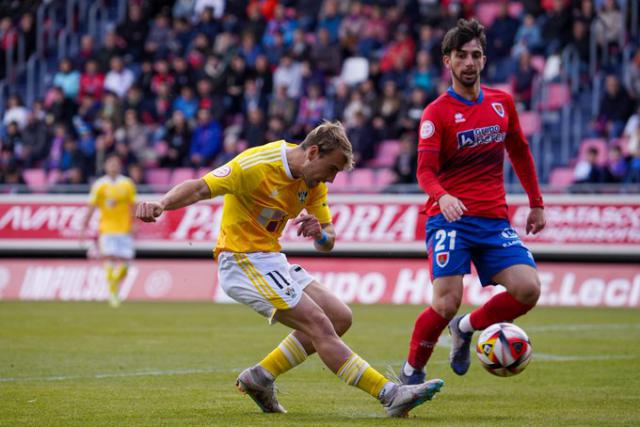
[85,364]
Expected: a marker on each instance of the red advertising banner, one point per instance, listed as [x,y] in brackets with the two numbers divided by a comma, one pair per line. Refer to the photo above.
[362,281]
[366,223]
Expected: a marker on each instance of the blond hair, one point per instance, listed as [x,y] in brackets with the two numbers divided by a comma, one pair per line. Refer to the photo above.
[330,136]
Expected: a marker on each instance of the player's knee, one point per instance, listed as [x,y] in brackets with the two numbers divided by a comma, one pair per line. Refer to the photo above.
[529,291]
[446,307]
[342,320]
[320,325]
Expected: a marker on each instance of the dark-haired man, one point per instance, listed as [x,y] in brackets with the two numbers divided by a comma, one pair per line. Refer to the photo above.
[462,138]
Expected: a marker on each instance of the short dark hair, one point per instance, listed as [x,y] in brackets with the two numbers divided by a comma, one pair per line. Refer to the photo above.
[463,33]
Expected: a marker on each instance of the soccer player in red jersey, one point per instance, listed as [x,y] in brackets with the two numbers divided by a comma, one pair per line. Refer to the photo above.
[462,138]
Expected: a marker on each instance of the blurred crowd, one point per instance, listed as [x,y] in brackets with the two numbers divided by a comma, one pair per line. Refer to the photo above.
[190,83]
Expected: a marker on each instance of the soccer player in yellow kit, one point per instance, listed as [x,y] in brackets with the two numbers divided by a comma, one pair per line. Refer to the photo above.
[263,188]
[114,196]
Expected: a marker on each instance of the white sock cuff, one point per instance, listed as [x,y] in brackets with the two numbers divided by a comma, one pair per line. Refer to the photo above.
[465,324]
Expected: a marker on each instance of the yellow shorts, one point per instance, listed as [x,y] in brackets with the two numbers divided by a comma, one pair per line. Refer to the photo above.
[265,281]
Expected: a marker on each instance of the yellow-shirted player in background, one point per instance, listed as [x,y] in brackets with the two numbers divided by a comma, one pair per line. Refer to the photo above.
[263,188]
[114,197]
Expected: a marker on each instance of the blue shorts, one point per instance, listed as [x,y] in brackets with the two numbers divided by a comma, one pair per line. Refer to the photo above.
[491,243]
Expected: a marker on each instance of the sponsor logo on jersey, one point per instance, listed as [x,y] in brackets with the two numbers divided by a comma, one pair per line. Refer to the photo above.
[442,259]
[427,129]
[486,135]
[498,108]
[459,118]
[222,171]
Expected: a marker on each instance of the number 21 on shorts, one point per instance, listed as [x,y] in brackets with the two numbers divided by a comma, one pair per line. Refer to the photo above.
[441,248]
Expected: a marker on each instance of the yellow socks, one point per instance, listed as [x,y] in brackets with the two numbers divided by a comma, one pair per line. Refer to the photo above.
[115,276]
[289,354]
[356,372]
[121,272]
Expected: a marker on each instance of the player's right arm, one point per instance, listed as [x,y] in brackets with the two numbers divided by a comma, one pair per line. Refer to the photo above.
[429,143]
[223,180]
[183,194]
[91,208]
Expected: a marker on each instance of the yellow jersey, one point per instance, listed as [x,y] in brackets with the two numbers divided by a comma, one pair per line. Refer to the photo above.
[260,196]
[113,198]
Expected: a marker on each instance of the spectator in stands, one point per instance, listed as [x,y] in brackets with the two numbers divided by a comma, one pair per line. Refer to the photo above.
[255,129]
[59,108]
[522,83]
[28,31]
[405,164]
[159,109]
[283,106]
[180,37]
[580,43]
[311,109]
[632,76]
[632,132]
[352,27]
[388,109]
[133,32]
[399,54]
[36,139]
[527,37]
[556,27]
[135,135]
[15,112]
[276,129]
[615,108]
[86,52]
[500,38]
[588,171]
[609,26]
[207,25]
[206,141]
[216,6]
[585,12]
[280,23]
[425,74]
[161,75]
[91,81]
[330,19]
[375,33]
[299,48]
[288,74]
[182,74]
[186,103]
[617,165]
[14,143]
[156,44]
[249,50]
[11,178]
[109,50]
[326,54]
[174,146]
[111,110]
[356,105]
[363,138]
[411,112]
[119,79]
[234,84]
[263,77]
[255,24]
[252,98]
[337,101]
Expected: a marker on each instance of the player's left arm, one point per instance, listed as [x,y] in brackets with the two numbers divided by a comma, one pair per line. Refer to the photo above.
[317,222]
[522,161]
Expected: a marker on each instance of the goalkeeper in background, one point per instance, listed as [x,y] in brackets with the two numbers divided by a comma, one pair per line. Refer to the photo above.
[113,195]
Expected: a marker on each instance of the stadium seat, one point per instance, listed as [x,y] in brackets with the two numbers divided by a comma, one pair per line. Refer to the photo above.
[557,96]
[537,62]
[530,122]
[387,153]
[504,87]
[54,176]
[599,143]
[362,179]
[340,183]
[158,177]
[486,13]
[561,177]
[355,70]
[181,174]
[35,178]
[385,177]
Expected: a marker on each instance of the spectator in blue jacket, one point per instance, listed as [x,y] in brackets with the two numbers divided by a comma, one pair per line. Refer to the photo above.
[206,141]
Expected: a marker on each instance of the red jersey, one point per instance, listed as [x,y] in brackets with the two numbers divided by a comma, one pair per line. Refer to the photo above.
[461,152]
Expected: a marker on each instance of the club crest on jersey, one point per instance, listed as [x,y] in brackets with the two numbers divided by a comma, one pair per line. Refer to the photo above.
[302,196]
[222,171]
[427,129]
[442,259]
[459,118]
[498,108]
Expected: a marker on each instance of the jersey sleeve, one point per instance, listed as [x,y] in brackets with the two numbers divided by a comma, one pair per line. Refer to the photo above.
[94,195]
[521,158]
[429,142]
[132,192]
[225,179]
[430,131]
[318,204]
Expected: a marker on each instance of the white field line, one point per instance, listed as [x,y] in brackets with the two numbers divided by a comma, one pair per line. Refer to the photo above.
[444,341]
